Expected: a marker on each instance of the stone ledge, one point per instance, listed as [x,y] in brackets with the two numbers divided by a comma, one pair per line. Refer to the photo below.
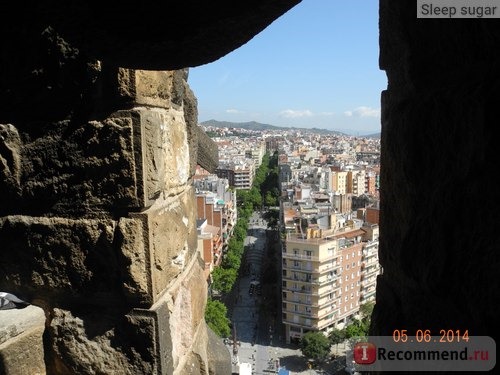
[21,343]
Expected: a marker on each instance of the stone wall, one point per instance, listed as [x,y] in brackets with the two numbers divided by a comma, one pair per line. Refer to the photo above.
[98,144]
[438,244]
[109,250]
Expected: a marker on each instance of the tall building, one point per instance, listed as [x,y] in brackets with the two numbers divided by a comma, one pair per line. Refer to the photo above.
[240,174]
[327,272]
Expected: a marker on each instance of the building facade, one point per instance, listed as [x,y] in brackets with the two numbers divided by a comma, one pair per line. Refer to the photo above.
[326,275]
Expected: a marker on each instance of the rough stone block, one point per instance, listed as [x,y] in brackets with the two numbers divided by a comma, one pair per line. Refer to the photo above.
[21,344]
[117,340]
[161,89]
[170,239]
[101,341]
[123,162]
[163,165]
[60,261]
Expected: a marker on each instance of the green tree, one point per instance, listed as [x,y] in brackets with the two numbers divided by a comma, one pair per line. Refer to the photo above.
[366,310]
[357,328]
[269,199]
[315,345]
[231,260]
[223,279]
[336,336]
[216,318]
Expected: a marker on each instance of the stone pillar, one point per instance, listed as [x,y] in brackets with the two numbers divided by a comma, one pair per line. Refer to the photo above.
[97,218]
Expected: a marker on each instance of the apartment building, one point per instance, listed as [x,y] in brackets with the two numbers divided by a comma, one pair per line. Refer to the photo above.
[328,271]
[240,174]
[216,216]
[210,245]
[256,152]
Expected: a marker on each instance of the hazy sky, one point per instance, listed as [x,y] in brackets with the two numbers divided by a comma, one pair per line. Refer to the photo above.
[315,66]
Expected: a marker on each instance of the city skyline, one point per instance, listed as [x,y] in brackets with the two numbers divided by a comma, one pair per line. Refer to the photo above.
[316,66]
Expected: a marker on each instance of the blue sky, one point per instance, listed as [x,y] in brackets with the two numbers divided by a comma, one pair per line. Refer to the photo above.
[315,66]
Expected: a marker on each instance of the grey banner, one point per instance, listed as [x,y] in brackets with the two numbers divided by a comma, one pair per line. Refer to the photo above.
[476,9]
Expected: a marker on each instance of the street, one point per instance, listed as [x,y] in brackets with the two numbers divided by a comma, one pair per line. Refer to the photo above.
[255,310]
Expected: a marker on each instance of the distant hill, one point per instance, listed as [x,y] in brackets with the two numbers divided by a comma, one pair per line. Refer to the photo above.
[252,125]
[375,135]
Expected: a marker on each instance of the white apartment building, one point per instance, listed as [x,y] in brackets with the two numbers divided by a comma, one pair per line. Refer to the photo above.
[326,275]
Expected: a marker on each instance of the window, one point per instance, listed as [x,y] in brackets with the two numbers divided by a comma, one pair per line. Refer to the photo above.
[354,264]
[346,298]
[347,267]
[347,257]
[346,288]
[352,286]
[346,277]
[352,275]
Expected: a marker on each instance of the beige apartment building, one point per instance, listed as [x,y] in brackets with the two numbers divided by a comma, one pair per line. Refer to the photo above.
[324,279]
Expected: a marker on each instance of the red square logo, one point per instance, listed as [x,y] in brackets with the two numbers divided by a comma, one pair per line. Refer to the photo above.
[364,353]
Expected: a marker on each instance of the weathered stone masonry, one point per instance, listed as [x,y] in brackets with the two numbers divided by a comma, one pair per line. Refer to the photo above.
[97,215]
[122,293]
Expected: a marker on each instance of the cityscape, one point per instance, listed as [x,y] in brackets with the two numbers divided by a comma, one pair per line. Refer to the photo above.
[138,236]
[325,220]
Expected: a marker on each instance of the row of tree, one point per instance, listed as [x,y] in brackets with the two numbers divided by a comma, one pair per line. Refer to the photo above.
[225,276]
[315,345]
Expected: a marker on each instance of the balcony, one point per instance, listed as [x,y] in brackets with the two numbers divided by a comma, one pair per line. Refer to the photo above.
[369,255]
[325,290]
[300,268]
[313,258]
[297,278]
[299,256]
[302,313]
[366,282]
[335,313]
[367,295]
[301,323]
[300,301]
[301,290]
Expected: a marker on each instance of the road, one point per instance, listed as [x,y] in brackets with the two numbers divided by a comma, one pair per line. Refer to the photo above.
[256,317]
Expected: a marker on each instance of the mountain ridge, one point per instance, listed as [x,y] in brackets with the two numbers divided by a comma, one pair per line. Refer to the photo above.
[254,125]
